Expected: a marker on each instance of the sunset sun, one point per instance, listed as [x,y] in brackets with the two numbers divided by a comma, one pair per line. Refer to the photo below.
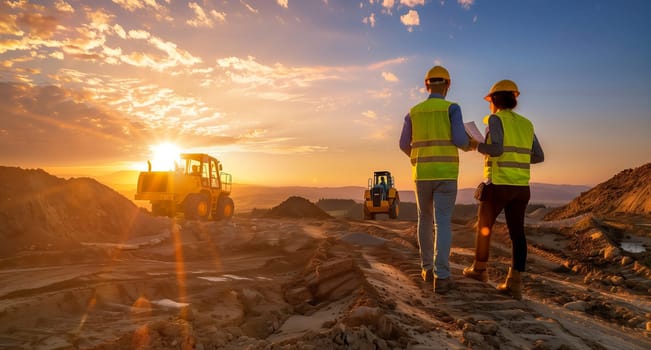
[164,155]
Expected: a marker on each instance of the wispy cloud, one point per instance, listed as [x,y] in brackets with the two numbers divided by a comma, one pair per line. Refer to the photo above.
[378,128]
[369,114]
[158,11]
[249,7]
[201,19]
[388,76]
[390,62]
[282,3]
[132,5]
[252,74]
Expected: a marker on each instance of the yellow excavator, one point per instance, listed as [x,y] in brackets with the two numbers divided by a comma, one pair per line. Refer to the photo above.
[381,196]
[197,188]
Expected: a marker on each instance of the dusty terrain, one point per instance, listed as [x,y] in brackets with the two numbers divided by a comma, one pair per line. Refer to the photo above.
[280,282]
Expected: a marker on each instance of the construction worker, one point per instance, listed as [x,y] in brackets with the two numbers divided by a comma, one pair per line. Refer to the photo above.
[383,186]
[511,146]
[431,134]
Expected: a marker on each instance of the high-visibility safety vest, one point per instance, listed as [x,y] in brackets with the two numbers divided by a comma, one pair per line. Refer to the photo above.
[512,167]
[433,155]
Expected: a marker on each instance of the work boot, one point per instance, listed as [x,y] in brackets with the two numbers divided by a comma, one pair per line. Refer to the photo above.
[477,271]
[443,285]
[513,284]
[427,275]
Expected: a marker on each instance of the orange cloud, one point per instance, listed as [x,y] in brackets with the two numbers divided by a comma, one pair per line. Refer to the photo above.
[8,25]
[63,6]
[158,11]
[203,20]
[50,124]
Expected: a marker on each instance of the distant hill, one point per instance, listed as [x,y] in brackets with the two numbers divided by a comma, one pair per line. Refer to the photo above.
[628,192]
[248,196]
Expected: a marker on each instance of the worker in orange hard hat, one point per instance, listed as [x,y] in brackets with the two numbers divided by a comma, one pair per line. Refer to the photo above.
[432,132]
[511,146]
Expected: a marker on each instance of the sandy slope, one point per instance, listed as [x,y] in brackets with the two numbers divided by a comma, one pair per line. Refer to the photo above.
[311,284]
[627,192]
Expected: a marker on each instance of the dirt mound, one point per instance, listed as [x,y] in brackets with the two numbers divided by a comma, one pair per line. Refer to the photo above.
[297,207]
[628,192]
[39,211]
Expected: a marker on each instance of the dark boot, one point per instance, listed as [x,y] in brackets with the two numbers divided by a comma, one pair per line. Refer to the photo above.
[477,271]
[427,275]
[513,284]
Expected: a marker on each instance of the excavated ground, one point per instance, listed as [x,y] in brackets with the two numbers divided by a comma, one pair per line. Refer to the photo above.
[282,283]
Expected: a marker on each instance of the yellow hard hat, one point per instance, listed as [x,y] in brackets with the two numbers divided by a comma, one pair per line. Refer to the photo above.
[437,72]
[503,85]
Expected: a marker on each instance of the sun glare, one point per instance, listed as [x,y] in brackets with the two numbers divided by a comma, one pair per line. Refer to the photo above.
[164,155]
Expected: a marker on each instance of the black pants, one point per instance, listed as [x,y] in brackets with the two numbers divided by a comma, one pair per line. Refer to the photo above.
[513,200]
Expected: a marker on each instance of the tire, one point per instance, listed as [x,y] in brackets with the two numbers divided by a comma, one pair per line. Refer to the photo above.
[394,209]
[162,208]
[197,207]
[157,209]
[225,208]
[367,215]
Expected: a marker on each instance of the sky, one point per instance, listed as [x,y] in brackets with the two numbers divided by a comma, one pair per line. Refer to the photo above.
[314,92]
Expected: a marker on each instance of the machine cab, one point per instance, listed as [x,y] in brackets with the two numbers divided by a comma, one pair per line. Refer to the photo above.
[207,168]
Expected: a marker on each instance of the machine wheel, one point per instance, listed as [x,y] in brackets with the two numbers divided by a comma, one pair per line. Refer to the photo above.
[225,208]
[157,209]
[394,209]
[197,206]
[367,214]
[162,208]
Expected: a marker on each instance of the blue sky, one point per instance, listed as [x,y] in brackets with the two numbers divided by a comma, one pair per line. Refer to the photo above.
[314,92]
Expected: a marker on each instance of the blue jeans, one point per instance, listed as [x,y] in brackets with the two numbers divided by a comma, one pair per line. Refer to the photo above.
[435,200]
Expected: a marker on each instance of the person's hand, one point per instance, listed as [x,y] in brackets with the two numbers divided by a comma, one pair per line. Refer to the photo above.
[473,145]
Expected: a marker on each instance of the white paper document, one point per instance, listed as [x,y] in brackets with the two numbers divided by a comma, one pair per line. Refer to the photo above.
[473,131]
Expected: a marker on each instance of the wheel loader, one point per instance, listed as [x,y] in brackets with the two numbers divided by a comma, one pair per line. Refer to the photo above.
[381,196]
[197,188]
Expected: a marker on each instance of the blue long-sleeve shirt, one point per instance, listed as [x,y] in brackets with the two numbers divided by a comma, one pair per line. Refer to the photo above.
[459,136]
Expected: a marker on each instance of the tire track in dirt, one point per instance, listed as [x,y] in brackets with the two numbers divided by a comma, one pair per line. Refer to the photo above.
[476,315]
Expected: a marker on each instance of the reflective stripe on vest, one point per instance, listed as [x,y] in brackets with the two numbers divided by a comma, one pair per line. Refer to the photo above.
[512,167]
[433,155]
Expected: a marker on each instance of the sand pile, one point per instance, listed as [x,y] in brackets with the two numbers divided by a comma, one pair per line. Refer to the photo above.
[39,211]
[297,207]
[628,192]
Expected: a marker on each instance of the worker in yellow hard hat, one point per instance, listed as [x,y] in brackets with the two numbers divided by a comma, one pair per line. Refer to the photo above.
[432,132]
[511,146]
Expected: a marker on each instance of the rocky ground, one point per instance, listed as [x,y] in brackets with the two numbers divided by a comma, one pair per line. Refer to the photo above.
[82,268]
[282,283]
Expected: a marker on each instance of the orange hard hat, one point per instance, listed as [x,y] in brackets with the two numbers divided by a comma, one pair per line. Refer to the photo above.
[503,85]
[437,72]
